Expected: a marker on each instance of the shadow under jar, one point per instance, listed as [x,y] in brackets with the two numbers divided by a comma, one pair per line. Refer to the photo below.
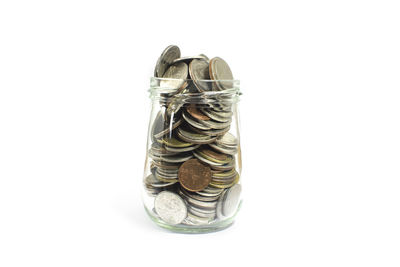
[191,181]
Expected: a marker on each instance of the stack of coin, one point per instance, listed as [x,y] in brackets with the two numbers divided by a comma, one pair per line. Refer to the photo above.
[192,151]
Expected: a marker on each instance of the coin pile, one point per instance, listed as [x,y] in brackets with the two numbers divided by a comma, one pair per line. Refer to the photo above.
[193,177]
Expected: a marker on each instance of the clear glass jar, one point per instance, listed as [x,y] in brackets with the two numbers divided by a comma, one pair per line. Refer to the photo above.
[191,180]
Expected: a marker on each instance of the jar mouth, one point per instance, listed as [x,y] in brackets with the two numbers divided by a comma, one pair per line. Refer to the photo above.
[193,89]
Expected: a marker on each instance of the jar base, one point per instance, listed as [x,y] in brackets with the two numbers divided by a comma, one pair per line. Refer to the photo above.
[194,229]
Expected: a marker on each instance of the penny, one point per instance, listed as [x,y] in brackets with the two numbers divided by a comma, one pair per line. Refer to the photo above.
[170,53]
[195,113]
[170,207]
[194,176]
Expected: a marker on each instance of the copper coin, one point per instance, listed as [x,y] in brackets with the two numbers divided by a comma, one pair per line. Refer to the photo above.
[195,113]
[194,176]
[213,154]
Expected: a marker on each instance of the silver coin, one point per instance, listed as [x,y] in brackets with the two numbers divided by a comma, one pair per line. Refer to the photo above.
[202,204]
[229,151]
[204,56]
[201,214]
[217,116]
[187,59]
[198,70]
[227,139]
[154,182]
[231,200]
[219,205]
[216,125]
[216,132]
[170,207]
[172,159]
[194,122]
[205,160]
[192,219]
[210,192]
[175,77]
[198,196]
[220,71]
[225,167]
[181,149]
[195,138]
[169,54]
[163,125]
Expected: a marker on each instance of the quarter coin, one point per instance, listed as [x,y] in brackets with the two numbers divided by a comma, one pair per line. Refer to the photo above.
[220,71]
[170,53]
[170,207]
[175,77]
[232,199]
[199,71]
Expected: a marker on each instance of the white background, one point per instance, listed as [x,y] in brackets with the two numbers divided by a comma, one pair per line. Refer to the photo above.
[320,131]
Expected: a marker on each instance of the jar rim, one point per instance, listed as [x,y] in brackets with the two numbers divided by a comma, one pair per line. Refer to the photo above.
[157,88]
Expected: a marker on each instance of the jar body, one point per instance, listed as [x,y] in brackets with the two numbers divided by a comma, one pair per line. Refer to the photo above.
[192,175]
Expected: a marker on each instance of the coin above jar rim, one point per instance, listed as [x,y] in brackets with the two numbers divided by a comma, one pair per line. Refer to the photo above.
[175,77]
[199,71]
[169,54]
[189,59]
[220,71]
[194,176]
[170,207]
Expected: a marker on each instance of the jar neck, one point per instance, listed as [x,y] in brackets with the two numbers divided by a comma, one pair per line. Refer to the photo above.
[193,92]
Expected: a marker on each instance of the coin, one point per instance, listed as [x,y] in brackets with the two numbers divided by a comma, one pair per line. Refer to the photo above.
[223,149]
[194,176]
[162,126]
[195,113]
[198,70]
[182,157]
[170,207]
[173,142]
[170,53]
[220,71]
[227,139]
[215,132]
[231,200]
[188,59]
[174,77]
[219,157]
[195,138]
[181,149]
[195,123]
[217,116]
[216,125]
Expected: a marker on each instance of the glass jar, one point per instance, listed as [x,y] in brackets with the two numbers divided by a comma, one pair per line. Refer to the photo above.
[192,171]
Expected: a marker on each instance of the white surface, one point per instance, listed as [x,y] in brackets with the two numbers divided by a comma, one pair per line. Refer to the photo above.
[320,127]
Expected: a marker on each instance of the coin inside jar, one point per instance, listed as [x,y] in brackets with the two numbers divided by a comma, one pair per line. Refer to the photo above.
[170,207]
[194,176]
[196,113]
